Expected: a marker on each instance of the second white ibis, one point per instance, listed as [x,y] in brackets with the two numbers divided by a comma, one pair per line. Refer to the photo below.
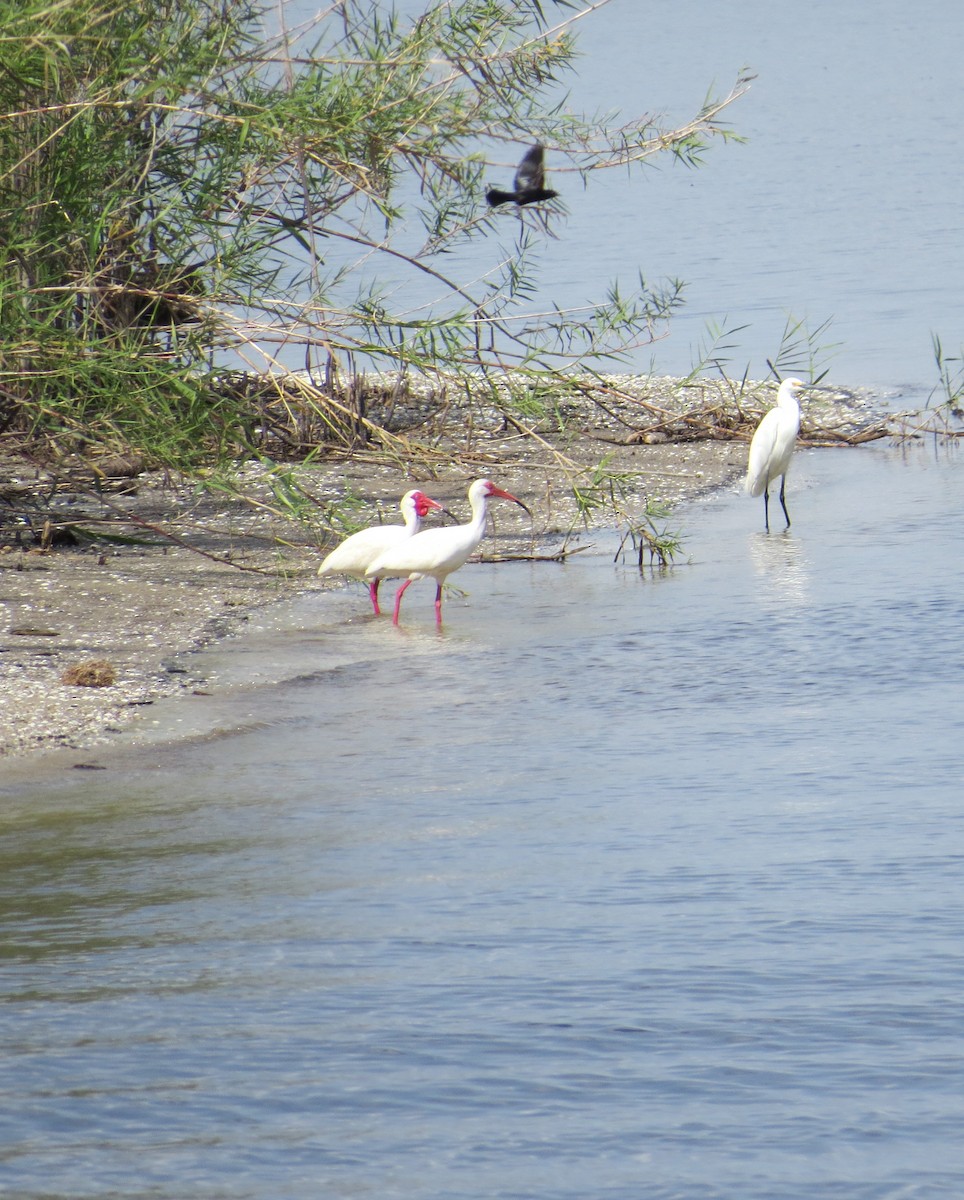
[438,552]
[356,553]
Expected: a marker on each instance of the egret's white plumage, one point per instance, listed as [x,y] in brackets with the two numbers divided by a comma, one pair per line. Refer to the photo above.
[356,553]
[772,447]
[438,552]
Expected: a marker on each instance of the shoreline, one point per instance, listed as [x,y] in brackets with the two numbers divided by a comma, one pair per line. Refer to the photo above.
[146,606]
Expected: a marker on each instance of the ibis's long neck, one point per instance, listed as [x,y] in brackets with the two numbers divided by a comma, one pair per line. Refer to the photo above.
[412,519]
[476,527]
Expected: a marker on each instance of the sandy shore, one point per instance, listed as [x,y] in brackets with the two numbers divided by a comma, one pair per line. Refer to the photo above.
[144,605]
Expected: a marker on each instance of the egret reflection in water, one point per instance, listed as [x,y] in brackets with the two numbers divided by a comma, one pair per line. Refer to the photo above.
[782,566]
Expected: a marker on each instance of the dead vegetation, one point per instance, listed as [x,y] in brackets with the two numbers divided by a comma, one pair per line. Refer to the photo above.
[419,420]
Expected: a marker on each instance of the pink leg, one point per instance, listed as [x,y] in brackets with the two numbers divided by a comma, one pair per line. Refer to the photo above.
[438,605]
[398,600]
[373,592]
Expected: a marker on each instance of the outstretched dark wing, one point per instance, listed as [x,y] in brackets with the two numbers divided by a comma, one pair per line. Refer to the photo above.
[531,175]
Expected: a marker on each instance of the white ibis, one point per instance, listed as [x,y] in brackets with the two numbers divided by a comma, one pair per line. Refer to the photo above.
[772,447]
[356,553]
[439,552]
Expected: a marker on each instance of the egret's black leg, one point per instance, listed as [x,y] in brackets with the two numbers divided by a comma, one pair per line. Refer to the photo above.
[783,499]
[766,507]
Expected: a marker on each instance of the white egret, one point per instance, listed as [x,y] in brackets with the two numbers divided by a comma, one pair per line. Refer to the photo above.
[438,552]
[772,447]
[356,553]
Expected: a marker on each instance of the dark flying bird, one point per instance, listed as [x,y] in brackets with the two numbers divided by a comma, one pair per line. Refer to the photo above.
[529,182]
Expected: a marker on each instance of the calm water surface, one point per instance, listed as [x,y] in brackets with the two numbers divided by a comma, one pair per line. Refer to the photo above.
[625,885]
